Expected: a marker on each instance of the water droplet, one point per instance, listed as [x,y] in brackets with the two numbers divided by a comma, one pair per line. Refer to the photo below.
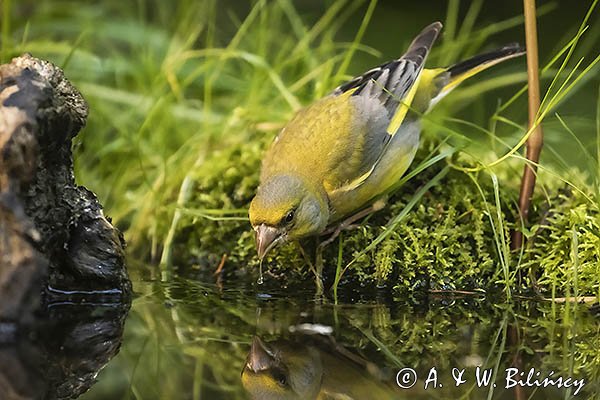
[260,274]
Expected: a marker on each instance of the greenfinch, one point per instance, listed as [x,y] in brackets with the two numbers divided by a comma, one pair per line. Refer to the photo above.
[339,154]
[284,369]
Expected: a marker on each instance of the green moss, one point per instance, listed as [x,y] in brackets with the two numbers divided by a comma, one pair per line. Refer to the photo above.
[447,242]
[565,248]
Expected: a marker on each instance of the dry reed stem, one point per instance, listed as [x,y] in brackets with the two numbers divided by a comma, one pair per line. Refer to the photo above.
[535,141]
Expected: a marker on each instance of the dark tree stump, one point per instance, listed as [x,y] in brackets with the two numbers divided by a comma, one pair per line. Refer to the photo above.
[64,290]
[52,232]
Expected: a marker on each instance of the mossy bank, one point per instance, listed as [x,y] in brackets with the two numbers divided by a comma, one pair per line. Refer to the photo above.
[455,237]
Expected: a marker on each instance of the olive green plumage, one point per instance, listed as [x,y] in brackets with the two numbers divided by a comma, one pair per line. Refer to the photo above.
[339,154]
[301,370]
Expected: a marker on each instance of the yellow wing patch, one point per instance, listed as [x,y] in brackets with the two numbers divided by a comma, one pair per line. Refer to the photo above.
[393,126]
[403,107]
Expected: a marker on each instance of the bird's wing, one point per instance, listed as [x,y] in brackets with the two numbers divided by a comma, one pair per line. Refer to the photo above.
[382,97]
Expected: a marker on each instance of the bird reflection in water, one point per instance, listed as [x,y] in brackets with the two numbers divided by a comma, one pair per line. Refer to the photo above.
[307,369]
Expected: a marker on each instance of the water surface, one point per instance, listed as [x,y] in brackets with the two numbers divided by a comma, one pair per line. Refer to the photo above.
[191,340]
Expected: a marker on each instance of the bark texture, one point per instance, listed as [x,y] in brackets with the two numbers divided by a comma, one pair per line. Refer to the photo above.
[52,231]
[64,289]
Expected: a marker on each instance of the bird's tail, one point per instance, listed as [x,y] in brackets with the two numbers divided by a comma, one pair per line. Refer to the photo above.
[466,69]
[438,82]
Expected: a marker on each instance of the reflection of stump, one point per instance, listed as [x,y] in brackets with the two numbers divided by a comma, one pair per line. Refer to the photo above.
[63,358]
[50,229]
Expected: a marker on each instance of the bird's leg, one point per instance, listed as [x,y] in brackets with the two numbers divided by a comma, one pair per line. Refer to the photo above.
[335,231]
[318,271]
[348,223]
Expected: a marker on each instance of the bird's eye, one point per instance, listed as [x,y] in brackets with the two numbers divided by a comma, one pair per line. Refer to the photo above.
[280,378]
[289,217]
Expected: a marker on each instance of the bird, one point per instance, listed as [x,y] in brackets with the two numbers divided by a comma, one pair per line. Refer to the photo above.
[300,369]
[336,157]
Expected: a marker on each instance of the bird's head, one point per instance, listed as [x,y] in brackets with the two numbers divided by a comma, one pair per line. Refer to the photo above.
[282,371]
[286,208]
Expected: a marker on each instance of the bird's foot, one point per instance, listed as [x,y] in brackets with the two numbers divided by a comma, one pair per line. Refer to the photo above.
[349,223]
[334,232]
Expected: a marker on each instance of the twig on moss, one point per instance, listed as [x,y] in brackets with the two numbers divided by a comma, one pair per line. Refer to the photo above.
[576,299]
[219,269]
[457,292]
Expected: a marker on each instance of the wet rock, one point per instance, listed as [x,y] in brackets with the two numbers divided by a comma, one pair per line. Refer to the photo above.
[52,231]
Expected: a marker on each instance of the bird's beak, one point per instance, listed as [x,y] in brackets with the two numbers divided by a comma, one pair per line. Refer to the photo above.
[267,237]
[260,357]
